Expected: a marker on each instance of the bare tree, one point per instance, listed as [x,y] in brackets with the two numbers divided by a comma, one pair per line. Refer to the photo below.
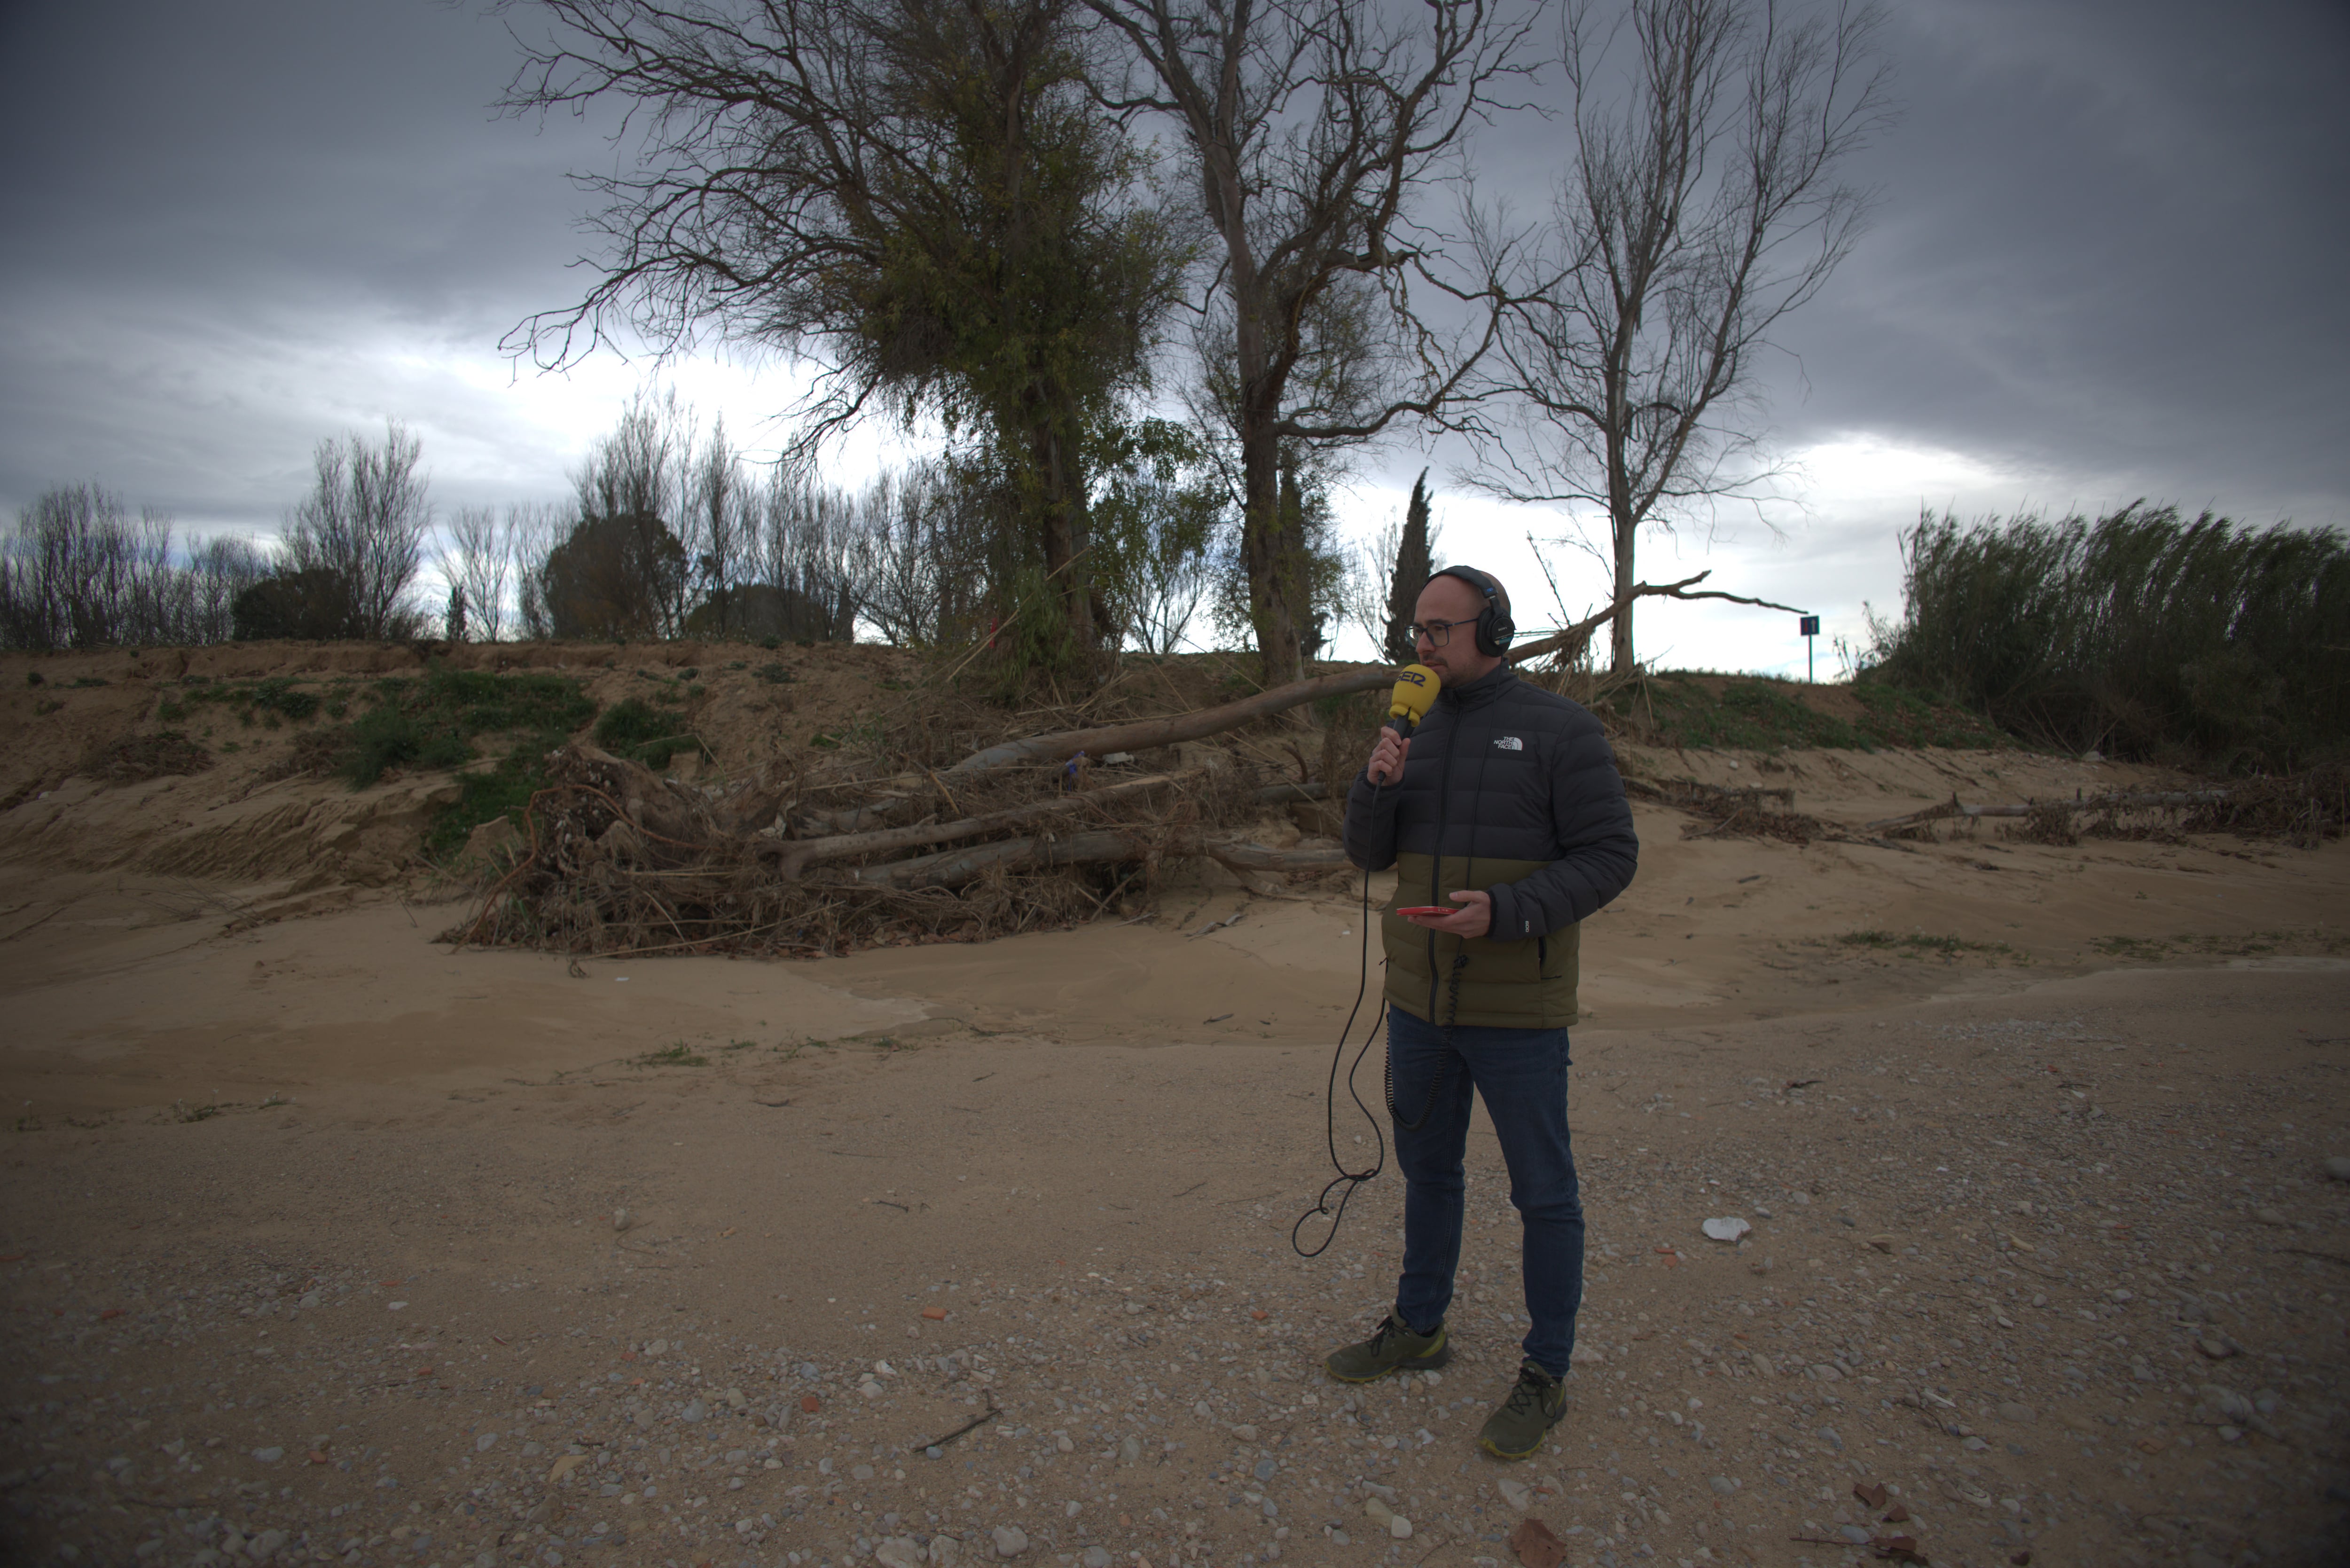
[1312,128]
[1702,205]
[218,570]
[720,530]
[478,563]
[81,572]
[364,521]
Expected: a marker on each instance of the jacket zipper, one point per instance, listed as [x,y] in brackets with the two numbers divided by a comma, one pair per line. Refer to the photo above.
[1436,861]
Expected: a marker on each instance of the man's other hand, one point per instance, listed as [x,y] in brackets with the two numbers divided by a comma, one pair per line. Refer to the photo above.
[1386,765]
[1474,917]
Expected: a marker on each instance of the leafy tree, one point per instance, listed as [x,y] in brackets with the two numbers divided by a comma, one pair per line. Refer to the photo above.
[1414,559]
[920,197]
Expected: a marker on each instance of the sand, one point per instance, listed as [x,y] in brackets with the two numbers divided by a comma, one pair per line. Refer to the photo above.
[310,1249]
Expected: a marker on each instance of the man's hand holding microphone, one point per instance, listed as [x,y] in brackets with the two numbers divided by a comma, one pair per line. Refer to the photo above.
[1415,693]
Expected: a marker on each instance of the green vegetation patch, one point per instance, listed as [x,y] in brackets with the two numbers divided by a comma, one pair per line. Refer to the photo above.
[643,733]
[1747,714]
[1919,944]
[268,702]
[677,1055]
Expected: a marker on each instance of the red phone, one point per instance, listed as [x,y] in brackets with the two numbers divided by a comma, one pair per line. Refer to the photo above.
[1429,909]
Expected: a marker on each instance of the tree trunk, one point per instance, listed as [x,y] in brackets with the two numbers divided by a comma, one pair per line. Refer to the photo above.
[1269,548]
[1063,531]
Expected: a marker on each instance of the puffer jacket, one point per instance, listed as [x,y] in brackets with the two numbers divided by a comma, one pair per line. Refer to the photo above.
[1511,790]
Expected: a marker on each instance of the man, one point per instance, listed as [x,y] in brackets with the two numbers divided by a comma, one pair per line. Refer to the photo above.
[1506,804]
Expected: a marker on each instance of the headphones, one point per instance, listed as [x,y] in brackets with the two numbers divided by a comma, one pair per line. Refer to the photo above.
[1495,629]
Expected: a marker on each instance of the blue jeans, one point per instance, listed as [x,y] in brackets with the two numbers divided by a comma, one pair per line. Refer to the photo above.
[1521,1073]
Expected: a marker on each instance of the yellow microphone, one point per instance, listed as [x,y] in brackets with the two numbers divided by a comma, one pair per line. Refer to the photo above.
[1415,692]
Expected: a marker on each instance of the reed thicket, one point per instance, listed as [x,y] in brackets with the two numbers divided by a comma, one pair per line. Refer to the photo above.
[2138,634]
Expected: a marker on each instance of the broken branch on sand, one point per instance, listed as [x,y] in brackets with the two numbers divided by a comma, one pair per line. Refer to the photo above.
[1144,734]
[849,846]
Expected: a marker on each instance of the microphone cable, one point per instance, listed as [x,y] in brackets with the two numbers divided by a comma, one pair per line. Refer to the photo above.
[1349,1180]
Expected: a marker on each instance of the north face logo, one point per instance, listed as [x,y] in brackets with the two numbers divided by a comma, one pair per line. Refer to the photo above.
[1509,743]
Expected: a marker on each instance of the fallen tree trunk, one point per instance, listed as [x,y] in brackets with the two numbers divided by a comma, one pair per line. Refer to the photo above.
[952,867]
[1144,734]
[1283,793]
[1570,639]
[849,846]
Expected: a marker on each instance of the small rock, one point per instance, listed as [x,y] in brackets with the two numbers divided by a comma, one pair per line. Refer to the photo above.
[1762,1267]
[1826,1373]
[2270,1217]
[1723,1485]
[1399,1526]
[934,1452]
[946,1551]
[2338,1167]
[1265,1470]
[1062,1444]
[2122,1297]
[1728,1229]
[1378,1512]
[620,1218]
[1514,1493]
[900,1552]
[694,1411]
[1974,1446]
[1245,1432]
[1588,1356]
[1011,1540]
[2215,1348]
[485,1442]
[265,1545]
[1097,1557]
[269,1456]
[2219,1406]
[1855,1533]
[860,1472]
[870,1388]
[1130,1449]
[2010,1410]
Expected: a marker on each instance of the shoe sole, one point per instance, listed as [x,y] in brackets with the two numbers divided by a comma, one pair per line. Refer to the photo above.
[1439,1357]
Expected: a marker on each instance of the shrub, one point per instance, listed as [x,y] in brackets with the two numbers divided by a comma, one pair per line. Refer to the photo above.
[2139,633]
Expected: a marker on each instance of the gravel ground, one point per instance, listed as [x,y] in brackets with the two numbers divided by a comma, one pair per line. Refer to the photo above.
[2060,1271]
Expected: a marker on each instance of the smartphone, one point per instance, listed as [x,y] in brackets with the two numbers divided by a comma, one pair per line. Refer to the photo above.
[1429,909]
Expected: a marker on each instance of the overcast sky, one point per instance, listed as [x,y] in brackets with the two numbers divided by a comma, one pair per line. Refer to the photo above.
[2105,264]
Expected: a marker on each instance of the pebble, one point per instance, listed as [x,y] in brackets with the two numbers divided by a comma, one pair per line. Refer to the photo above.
[1011,1540]
[2010,1410]
[1729,1229]
[2217,1349]
[2270,1217]
[1723,1485]
[900,1552]
[1265,1470]
[2338,1167]
[1514,1493]
[620,1218]
[1854,1533]
[1097,1557]
[1130,1449]
[485,1442]
[269,1456]
[694,1411]
[1399,1526]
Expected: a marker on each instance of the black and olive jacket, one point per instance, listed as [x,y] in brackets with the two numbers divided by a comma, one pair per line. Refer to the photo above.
[1511,790]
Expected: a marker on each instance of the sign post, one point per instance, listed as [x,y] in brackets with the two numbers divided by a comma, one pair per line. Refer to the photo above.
[1809,625]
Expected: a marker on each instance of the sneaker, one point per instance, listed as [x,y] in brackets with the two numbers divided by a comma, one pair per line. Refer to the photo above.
[1526,1416]
[1394,1348]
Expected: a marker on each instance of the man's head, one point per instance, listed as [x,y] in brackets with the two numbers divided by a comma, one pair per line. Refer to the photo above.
[1454,603]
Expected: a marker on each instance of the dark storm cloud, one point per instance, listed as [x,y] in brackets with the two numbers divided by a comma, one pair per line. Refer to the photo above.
[2109,248]
[2105,256]
[215,210]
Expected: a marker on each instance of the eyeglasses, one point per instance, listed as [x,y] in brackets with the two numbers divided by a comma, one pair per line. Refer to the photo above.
[1437,632]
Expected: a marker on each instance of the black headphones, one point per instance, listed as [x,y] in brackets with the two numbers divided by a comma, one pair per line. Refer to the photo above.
[1495,629]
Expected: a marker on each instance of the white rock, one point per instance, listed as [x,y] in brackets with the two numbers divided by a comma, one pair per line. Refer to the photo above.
[900,1552]
[1514,1493]
[1399,1526]
[1728,1229]
[1011,1540]
[945,1550]
[1378,1512]
[1588,1355]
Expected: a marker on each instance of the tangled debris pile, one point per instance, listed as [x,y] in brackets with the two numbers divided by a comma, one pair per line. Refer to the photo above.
[1018,835]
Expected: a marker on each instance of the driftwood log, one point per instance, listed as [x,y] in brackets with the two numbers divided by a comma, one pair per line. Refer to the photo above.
[1141,734]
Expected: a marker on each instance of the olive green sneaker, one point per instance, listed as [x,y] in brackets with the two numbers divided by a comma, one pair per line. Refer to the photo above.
[1526,1416]
[1394,1348]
